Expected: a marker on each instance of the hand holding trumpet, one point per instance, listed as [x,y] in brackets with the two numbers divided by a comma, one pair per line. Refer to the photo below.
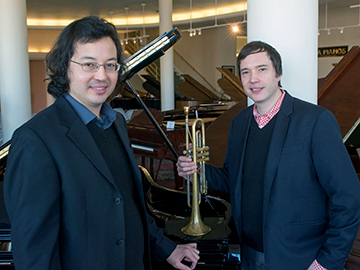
[186,166]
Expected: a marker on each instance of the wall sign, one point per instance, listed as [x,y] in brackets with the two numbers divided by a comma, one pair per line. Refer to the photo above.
[332,51]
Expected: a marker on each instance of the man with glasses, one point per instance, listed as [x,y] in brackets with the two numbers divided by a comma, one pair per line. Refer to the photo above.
[72,187]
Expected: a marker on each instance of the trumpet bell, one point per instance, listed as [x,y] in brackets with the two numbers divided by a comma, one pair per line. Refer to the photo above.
[196,227]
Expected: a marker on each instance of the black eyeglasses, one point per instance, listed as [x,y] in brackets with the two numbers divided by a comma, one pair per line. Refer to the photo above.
[93,66]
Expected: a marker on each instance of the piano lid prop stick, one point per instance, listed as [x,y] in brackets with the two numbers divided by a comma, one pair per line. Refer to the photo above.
[151,117]
[140,60]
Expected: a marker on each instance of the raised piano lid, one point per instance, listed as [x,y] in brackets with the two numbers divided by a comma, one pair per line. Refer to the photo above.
[352,143]
[4,150]
[148,54]
[231,84]
[339,91]
[195,90]
[352,138]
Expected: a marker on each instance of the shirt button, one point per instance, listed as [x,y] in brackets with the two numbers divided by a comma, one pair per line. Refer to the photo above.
[121,242]
[117,200]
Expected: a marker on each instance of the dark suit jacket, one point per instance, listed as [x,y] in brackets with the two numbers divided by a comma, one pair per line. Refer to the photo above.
[311,191]
[65,209]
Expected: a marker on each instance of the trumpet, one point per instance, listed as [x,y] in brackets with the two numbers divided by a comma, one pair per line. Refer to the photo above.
[199,154]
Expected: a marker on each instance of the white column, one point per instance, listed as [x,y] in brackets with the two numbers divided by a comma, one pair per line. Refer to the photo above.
[167,60]
[14,66]
[282,24]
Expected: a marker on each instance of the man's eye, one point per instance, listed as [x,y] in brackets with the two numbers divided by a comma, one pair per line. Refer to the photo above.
[89,64]
[110,65]
[244,72]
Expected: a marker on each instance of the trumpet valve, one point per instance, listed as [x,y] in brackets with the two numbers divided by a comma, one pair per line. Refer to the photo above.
[188,152]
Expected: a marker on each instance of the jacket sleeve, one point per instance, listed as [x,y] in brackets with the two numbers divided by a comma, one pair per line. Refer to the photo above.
[218,177]
[32,189]
[338,178]
[160,246]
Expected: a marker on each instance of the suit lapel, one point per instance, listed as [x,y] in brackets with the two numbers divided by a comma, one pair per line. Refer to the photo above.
[120,127]
[276,145]
[82,138]
[242,148]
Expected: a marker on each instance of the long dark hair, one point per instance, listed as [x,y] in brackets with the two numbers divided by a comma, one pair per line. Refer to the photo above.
[85,30]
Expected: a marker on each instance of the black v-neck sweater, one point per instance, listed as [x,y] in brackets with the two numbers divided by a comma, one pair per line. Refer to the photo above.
[256,155]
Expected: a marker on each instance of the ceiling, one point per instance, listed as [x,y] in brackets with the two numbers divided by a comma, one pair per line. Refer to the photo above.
[65,11]
[114,10]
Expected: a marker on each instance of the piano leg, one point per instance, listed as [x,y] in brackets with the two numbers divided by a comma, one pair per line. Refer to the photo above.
[151,165]
[151,168]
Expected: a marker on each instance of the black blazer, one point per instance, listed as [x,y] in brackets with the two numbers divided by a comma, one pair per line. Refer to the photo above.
[65,209]
[311,206]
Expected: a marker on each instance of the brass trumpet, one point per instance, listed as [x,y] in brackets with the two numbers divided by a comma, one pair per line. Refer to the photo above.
[199,154]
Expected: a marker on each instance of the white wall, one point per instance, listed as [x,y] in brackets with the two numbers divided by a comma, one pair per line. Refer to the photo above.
[214,48]
[337,18]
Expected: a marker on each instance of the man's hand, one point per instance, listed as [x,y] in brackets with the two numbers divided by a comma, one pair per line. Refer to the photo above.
[185,166]
[186,252]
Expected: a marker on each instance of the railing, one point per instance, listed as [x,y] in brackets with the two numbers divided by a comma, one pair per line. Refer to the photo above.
[197,72]
[154,69]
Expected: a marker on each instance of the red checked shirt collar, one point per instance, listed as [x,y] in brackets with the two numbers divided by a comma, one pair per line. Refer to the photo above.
[317,266]
[263,119]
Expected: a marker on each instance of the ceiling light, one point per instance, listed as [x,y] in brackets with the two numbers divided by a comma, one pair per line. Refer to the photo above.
[355,6]
[235,28]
